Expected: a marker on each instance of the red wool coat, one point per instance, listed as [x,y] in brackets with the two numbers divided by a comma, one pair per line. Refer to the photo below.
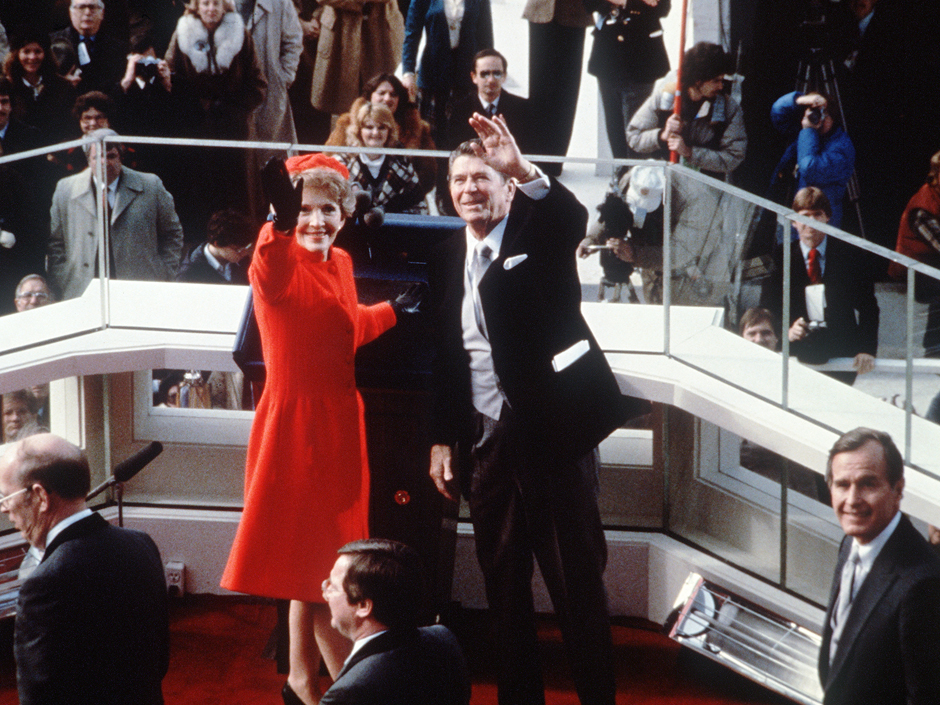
[306,476]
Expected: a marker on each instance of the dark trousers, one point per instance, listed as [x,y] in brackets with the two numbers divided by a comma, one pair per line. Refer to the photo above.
[525,502]
[555,56]
[620,101]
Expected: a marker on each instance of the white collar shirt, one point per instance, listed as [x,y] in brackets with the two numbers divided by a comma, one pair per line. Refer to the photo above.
[359,643]
[62,526]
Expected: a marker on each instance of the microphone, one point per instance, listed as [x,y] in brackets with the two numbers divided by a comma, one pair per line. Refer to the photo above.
[363,201]
[374,217]
[129,467]
[369,215]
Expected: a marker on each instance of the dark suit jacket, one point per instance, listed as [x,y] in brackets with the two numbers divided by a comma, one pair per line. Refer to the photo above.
[533,312]
[107,65]
[196,269]
[888,653]
[91,621]
[19,137]
[513,108]
[404,668]
[631,52]
[438,62]
[851,307]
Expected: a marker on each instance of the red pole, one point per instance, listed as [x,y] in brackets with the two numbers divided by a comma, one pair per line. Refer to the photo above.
[677,105]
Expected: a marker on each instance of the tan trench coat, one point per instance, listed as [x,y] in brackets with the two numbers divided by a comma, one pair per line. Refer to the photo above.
[352,49]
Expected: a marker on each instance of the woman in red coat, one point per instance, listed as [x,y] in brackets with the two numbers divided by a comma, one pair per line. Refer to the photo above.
[306,477]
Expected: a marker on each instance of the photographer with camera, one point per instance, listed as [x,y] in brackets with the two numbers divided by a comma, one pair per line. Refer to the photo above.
[144,69]
[145,106]
[821,153]
[833,309]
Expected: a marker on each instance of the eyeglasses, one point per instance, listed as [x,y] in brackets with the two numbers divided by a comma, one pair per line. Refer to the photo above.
[491,74]
[7,498]
[326,586]
[35,295]
[87,7]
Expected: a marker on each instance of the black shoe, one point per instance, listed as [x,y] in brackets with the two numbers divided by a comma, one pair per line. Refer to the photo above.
[289,696]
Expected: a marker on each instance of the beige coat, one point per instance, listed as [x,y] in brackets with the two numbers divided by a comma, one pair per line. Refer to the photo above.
[146,237]
[278,39]
[352,49]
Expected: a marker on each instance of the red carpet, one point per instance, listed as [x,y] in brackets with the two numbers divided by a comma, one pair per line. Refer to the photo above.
[217,644]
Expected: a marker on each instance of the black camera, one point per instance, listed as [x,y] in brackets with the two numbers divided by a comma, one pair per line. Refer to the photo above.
[146,68]
[816,116]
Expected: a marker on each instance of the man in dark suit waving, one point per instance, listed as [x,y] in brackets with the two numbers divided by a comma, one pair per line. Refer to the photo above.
[523,395]
[374,593]
[91,620]
[881,640]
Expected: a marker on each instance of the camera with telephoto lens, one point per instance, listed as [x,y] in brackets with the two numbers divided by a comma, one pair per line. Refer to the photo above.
[816,116]
[146,67]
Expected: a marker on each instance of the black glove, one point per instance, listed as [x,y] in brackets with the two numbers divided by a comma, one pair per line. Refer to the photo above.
[284,196]
[409,300]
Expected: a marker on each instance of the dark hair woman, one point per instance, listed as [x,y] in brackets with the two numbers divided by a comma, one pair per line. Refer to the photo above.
[39,96]
[413,132]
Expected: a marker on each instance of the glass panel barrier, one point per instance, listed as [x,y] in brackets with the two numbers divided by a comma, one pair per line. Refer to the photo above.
[715,242]
[712,240]
[29,229]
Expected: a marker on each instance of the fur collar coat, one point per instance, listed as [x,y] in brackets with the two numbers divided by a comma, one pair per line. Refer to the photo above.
[211,53]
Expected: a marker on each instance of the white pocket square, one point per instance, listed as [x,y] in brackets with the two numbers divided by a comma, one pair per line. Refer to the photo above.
[513,261]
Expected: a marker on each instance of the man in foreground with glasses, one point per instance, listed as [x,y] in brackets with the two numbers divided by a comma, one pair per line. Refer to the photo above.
[91,621]
[374,593]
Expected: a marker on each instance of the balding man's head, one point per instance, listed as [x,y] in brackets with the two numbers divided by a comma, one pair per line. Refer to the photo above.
[59,466]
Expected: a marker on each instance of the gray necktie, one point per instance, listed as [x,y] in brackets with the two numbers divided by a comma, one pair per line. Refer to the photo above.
[844,603]
[481,260]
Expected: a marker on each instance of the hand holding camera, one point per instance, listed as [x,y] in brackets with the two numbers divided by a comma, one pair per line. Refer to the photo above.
[814,117]
[148,68]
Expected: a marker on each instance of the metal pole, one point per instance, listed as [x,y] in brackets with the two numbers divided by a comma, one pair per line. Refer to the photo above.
[677,105]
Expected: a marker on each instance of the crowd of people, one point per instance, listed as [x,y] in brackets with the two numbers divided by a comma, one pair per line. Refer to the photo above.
[522,391]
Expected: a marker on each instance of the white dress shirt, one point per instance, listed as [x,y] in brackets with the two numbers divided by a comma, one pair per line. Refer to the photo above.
[487,396]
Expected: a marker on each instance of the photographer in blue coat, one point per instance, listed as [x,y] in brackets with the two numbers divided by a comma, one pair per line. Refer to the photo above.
[821,153]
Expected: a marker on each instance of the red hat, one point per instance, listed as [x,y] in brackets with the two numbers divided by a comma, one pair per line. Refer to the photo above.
[305,162]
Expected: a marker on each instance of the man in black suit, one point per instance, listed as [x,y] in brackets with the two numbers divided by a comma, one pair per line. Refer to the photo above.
[374,593]
[523,397]
[91,620]
[488,75]
[100,59]
[881,639]
[225,255]
[835,276]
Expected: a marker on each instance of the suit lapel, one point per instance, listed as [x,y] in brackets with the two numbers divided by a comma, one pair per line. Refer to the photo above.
[880,580]
[262,8]
[128,188]
[85,195]
[516,224]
